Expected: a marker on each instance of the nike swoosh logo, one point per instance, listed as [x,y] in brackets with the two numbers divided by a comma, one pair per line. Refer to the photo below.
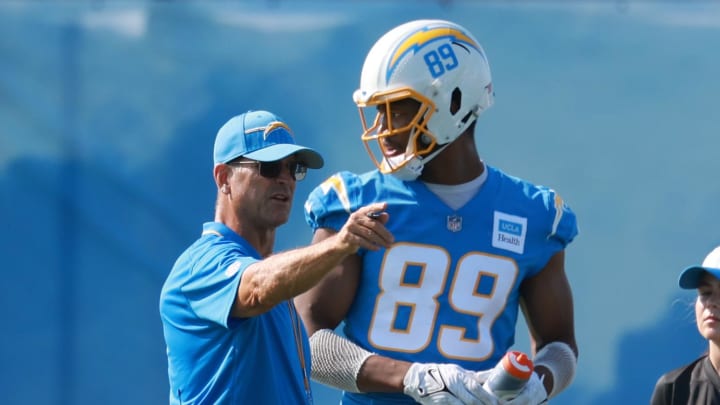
[435,376]
[435,383]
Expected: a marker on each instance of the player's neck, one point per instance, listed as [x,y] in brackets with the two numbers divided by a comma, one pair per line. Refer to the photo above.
[459,163]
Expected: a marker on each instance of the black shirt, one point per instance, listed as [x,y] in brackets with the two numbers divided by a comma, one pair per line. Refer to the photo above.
[696,383]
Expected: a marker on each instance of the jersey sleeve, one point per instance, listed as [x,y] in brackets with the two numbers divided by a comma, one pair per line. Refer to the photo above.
[555,225]
[330,203]
[563,228]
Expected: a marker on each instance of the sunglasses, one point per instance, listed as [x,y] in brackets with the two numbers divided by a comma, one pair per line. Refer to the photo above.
[272,170]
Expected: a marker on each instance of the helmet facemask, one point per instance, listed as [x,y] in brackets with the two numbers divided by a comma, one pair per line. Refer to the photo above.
[376,136]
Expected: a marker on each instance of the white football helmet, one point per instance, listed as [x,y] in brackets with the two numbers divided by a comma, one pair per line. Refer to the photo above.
[440,65]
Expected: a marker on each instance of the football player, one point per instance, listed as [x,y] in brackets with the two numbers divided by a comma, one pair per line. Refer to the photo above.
[427,317]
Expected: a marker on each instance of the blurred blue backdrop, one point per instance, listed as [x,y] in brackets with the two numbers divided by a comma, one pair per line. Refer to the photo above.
[108,113]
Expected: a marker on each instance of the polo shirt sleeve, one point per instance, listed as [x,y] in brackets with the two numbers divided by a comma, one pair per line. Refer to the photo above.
[212,287]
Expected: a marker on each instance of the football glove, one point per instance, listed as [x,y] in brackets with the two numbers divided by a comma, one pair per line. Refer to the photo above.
[533,393]
[445,384]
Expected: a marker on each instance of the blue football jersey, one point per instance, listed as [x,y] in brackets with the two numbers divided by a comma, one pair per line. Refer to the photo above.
[447,290]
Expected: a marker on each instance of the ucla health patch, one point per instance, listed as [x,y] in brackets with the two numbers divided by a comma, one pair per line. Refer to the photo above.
[509,232]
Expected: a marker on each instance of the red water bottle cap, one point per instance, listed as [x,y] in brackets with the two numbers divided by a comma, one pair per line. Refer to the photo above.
[518,364]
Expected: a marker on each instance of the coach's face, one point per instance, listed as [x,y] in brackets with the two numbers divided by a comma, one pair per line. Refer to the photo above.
[260,200]
[707,308]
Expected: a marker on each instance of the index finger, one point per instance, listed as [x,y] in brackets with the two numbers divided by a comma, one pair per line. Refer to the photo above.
[374,210]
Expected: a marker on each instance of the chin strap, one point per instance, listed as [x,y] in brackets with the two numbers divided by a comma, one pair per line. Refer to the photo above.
[414,167]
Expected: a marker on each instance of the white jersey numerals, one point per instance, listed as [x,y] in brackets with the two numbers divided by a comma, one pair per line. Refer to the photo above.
[412,278]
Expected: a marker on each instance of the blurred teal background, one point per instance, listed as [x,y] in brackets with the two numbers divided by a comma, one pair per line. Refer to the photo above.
[108,113]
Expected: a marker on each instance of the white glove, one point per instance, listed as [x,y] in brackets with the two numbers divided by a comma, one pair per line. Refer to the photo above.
[482,376]
[440,384]
[533,393]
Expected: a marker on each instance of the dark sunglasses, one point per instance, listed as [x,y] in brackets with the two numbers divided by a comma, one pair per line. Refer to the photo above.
[272,170]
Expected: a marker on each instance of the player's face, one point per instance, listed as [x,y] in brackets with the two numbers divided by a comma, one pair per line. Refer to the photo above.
[262,196]
[402,113]
[707,308]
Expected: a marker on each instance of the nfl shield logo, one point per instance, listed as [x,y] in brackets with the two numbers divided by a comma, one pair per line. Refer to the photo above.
[454,223]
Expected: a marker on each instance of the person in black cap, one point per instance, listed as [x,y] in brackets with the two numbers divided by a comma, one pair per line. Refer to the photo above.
[231,329]
[698,382]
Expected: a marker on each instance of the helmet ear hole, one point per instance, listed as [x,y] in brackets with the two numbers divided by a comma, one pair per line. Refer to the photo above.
[455,101]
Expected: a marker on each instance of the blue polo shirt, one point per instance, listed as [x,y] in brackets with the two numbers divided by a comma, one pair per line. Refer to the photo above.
[214,358]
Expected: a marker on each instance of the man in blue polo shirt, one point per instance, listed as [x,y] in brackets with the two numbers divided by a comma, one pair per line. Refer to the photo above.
[232,332]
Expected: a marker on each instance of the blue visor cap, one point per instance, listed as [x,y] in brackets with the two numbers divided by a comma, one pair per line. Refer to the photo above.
[261,136]
[691,276]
